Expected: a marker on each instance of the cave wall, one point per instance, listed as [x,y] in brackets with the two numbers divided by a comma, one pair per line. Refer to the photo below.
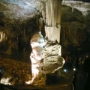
[20,23]
[75,31]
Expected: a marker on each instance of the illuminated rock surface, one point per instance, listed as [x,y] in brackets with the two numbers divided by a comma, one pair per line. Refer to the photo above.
[37,44]
[52,60]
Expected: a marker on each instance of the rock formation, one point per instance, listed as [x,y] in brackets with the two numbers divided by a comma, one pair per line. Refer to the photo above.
[46,59]
[52,52]
[37,44]
[52,60]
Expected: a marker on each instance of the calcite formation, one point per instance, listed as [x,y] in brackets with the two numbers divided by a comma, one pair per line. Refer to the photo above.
[37,43]
[53,19]
[46,58]
[52,60]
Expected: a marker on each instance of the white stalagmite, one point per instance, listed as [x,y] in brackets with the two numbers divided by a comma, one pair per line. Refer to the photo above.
[37,43]
[46,55]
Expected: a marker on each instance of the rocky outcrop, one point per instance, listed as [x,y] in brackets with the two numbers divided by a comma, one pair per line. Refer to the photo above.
[52,60]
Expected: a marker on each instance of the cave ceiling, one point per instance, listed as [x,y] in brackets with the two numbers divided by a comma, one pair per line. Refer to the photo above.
[18,14]
[19,9]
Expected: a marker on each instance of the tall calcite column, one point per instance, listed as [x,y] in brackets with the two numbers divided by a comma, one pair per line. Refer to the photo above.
[52,60]
[53,19]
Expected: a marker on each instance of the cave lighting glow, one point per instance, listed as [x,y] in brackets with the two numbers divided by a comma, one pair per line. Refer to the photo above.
[35,72]
[2,36]
[5,81]
[37,44]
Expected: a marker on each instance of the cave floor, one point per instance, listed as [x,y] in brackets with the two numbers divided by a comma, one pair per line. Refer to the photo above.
[20,72]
